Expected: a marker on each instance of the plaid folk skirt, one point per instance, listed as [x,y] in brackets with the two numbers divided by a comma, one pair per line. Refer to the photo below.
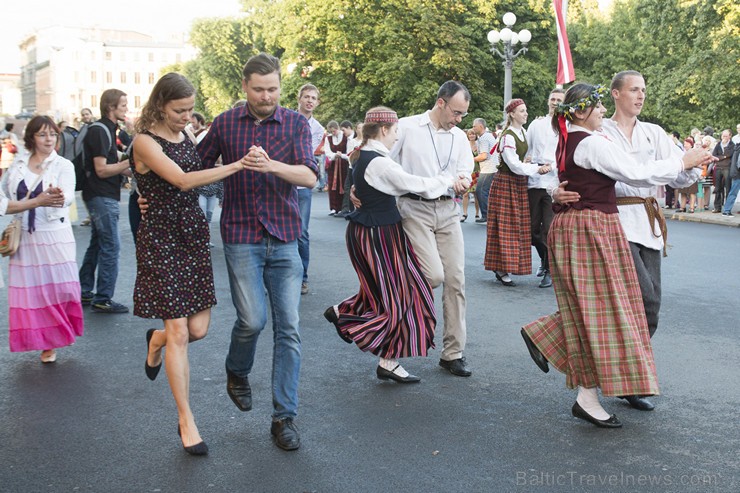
[599,335]
[509,241]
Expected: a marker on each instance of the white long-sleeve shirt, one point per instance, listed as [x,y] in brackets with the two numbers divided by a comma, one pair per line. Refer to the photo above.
[424,150]
[387,176]
[542,141]
[649,145]
[511,158]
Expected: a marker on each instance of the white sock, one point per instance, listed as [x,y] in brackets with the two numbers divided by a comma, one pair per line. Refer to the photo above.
[588,399]
[394,366]
[504,276]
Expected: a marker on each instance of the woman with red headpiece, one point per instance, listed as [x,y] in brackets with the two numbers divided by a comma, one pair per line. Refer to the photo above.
[509,243]
[392,316]
[599,337]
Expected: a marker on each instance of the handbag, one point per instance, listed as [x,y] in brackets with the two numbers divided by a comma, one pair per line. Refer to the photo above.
[11,237]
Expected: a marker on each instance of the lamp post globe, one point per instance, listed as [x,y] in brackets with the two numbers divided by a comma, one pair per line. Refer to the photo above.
[502,44]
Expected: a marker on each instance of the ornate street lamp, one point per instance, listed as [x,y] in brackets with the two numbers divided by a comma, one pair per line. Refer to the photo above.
[502,44]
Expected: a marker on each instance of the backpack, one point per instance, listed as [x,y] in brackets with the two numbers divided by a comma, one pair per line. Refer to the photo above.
[77,150]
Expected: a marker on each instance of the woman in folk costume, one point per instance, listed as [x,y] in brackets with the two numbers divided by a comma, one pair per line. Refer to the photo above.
[44,306]
[392,316]
[599,336]
[336,172]
[509,243]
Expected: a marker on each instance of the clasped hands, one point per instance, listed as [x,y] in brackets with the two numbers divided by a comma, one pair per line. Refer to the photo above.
[257,160]
[51,197]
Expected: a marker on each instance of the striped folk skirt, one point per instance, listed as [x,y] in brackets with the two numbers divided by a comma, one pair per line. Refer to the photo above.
[392,316]
[509,241]
[44,292]
[599,336]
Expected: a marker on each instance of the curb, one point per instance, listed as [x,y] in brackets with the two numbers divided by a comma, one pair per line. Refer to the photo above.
[704,217]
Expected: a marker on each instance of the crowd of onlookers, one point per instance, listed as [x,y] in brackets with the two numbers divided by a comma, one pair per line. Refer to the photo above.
[716,178]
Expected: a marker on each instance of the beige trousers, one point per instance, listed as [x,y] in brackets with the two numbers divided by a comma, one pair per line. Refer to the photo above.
[433,228]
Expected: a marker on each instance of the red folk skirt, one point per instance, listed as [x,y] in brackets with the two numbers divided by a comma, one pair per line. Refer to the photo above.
[509,241]
[599,336]
[392,316]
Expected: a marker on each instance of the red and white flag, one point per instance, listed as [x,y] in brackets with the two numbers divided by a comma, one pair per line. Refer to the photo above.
[566,73]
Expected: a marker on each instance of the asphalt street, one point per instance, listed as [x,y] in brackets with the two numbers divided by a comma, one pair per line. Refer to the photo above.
[93,422]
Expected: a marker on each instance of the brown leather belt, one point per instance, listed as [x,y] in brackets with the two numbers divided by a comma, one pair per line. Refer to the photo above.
[654,213]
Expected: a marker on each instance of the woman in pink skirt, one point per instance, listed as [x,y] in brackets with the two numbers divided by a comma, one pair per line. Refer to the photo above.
[43,284]
[599,336]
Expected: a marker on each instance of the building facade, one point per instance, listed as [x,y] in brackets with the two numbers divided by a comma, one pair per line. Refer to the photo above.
[66,69]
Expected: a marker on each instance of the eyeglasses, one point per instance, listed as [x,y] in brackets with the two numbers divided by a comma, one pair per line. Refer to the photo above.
[456,114]
[44,135]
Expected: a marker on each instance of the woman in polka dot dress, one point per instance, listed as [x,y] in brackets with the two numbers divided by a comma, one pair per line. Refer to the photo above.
[174,279]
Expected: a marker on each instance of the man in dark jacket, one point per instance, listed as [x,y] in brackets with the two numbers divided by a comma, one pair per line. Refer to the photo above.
[722,181]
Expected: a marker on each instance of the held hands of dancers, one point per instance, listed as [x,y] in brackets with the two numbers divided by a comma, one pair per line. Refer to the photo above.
[544,169]
[697,157]
[461,184]
[257,160]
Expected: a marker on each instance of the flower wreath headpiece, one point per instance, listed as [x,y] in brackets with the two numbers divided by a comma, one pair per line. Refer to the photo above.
[569,109]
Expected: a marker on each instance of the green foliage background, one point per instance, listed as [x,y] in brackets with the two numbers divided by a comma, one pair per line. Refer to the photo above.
[397,52]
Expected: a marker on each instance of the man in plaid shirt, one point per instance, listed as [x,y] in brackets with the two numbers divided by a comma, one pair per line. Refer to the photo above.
[260,225]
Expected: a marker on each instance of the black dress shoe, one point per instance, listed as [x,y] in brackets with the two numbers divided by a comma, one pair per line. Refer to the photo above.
[384,374]
[199,448]
[639,403]
[456,367]
[331,316]
[508,284]
[239,390]
[580,413]
[151,371]
[286,434]
[538,358]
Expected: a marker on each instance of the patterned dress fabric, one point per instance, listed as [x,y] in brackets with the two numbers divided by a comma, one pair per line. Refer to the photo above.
[174,276]
[599,337]
[509,240]
[44,288]
[392,316]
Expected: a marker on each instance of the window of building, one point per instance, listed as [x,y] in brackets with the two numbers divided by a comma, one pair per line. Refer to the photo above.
[93,76]
[123,77]
[109,77]
[137,101]
[92,55]
[137,56]
[137,78]
[122,56]
[93,101]
[178,58]
[108,55]
[151,77]
[151,56]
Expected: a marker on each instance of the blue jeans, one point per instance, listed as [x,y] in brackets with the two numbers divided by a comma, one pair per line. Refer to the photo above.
[105,245]
[732,195]
[304,208]
[208,204]
[482,190]
[269,267]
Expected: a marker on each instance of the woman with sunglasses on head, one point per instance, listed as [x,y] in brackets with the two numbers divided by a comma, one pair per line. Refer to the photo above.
[44,306]
[599,337]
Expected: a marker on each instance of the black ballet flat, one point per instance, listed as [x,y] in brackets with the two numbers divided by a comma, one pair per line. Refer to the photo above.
[151,371]
[199,448]
[580,413]
[537,356]
[508,284]
[331,316]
